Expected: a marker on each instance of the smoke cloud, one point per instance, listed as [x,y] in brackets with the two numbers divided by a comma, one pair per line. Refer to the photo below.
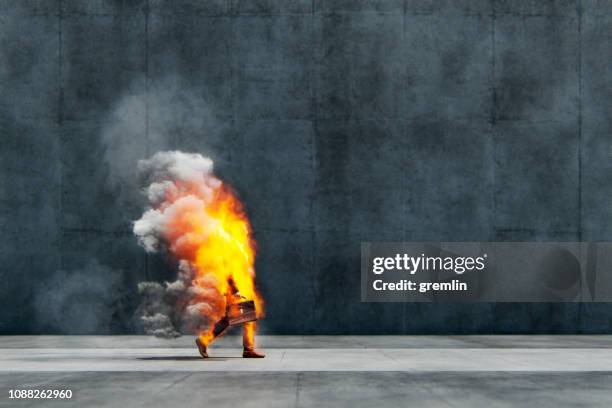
[163,117]
[179,187]
[169,310]
[81,301]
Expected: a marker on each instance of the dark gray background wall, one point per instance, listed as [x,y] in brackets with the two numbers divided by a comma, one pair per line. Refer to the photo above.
[336,121]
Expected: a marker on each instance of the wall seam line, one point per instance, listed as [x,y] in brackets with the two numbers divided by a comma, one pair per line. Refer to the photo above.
[60,125]
[146,101]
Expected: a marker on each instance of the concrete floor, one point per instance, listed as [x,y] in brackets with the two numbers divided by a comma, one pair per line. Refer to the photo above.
[321,371]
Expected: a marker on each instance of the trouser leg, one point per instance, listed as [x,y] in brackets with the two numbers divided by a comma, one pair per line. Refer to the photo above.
[248,341]
[248,335]
[220,327]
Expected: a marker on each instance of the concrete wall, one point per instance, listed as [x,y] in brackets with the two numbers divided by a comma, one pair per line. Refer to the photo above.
[336,121]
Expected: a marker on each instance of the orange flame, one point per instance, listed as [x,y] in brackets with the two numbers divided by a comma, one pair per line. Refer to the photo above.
[229,251]
[216,239]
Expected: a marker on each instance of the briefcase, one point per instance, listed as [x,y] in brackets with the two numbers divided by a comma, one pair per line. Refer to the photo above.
[241,312]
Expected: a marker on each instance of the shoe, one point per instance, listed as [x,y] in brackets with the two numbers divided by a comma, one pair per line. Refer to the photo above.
[201,348]
[251,353]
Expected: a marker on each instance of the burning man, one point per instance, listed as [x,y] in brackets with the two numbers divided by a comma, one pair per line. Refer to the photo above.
[199,221]
[238,311]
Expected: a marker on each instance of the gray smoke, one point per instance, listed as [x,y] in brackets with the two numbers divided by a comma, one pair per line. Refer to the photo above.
[189,180]
[164,116]
[160,309]
[170,309]
[81,301]
[178,187]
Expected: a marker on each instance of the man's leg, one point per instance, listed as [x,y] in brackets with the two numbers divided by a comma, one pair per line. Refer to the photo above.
[248,341]
[205,339]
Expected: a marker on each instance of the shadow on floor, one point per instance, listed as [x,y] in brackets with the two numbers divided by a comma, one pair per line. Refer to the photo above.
[186,358]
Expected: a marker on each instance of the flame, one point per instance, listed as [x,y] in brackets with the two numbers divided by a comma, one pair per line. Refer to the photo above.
[229,251]
[215,236]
